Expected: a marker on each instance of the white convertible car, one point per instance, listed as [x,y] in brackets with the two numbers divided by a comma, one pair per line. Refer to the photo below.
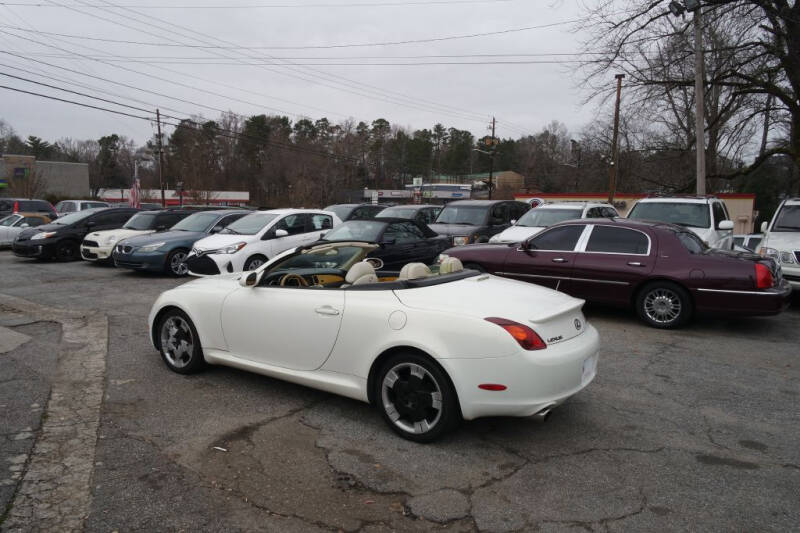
[428,349]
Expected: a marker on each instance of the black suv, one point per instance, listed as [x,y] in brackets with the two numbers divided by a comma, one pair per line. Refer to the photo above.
[9,206]
[61,239]
[471,221]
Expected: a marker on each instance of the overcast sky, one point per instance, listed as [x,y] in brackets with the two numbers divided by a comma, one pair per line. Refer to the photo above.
[527,95]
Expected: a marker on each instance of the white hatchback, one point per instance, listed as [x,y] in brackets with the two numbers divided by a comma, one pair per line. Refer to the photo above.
[546,215]
[256,238]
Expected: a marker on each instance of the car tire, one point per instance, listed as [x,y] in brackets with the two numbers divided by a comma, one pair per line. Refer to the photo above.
[664,305]
[175,264]
[67,251]
[474,266]
[254,261]
[415,397]
[178,343]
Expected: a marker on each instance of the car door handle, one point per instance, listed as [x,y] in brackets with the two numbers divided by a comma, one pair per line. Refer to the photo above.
[635,264]
[559,260]
[327,310]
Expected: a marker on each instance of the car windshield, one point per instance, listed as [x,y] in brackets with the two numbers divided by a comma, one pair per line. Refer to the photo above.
[250,224]
[196,222]
[89,205]
[788,219]
[7,221]
[338,258]
[66,220]
[356,230]
[684,214]
[540,217]
[141,221]
[342,211]
[398,212]
[461,214]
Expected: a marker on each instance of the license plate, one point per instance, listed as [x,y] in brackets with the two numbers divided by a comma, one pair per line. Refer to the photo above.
[589,367]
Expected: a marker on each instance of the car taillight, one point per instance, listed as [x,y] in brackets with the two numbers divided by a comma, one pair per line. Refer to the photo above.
[525,336]
[764,279]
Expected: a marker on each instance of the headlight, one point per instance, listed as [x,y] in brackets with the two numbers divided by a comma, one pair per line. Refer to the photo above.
[232,249]
[787,257]
[441,258]
[152,247]
[769,252]
[461,241]
[43,235]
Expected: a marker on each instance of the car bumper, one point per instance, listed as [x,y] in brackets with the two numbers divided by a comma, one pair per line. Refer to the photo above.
[151,261]
[535,380]
[744,303]
[792,275]
[213,264]
[42,248]
[100,253]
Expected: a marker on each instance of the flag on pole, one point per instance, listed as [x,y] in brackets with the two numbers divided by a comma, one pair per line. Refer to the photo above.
[133,195]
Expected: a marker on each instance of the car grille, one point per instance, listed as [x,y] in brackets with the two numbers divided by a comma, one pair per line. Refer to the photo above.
[91,244]
[123,249]
[127,264]
[88,255]
[797,255]
[203,265]
[789,277]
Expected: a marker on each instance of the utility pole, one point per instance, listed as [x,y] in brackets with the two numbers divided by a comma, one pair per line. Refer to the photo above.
[160,159]
[699,93]
[491,162]
[612,171]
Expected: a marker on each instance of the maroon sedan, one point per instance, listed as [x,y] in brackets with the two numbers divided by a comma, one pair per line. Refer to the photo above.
[664,271]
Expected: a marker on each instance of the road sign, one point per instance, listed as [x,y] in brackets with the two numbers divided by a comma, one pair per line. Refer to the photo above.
[417,182]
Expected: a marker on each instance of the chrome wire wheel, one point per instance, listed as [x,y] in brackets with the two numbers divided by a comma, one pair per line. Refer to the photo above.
[662,305]
[177,265]
[177,341]
[412,398]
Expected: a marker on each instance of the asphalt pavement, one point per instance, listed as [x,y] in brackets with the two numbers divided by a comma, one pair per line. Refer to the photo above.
[695,429]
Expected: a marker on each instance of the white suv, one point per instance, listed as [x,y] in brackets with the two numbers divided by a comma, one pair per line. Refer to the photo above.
[538,218]
[705,216]
[782,240]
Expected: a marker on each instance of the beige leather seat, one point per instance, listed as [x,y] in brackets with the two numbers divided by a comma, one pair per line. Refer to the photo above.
[414,271]
[450,265]
[359,274]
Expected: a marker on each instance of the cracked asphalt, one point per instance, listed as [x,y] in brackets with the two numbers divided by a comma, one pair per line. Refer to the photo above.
[694,429]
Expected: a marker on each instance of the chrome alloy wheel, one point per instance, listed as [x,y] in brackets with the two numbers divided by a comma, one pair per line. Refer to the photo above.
[177,342]
[662,306]
[254,263]
[177,265]
[412,398]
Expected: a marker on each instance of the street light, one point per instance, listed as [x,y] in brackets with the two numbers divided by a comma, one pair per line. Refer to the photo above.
[700,137]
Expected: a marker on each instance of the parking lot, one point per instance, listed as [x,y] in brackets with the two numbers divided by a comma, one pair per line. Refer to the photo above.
[694,429]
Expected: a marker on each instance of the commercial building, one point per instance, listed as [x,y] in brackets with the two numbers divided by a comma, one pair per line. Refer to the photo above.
[44,178]
[173,197]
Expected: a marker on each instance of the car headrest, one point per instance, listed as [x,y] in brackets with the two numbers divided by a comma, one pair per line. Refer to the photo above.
[450,265]
[359,273]
[414,271]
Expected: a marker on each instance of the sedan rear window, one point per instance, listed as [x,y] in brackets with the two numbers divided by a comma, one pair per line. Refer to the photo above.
[612,240]
[684,214]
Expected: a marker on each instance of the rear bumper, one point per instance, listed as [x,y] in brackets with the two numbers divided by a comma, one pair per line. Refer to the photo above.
[535,380]
[744,303]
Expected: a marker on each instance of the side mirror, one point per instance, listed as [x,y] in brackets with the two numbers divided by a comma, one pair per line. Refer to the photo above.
[249,279]
[91,224]
[24,225]
[162,227]
[764,226]
[321,235]
[281,233]
[513,221]
[725,225]
[217,228]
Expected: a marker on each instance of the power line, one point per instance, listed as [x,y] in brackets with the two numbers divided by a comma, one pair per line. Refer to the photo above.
[74,102]
[429,3]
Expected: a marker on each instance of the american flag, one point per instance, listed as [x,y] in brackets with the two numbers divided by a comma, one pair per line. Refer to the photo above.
[133,194]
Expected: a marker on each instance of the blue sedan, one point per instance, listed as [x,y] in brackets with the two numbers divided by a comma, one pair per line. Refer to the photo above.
[166,251]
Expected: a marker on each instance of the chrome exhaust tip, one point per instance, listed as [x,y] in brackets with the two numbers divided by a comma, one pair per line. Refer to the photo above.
[542,416]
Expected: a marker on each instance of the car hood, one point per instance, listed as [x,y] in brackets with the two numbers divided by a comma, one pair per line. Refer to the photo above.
[782,240]
[116,235]
[215,242]
[516,233]
[454,229]
[167,236]
[551,314]
[28,232]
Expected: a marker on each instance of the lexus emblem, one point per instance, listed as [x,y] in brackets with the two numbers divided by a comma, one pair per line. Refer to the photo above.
[578,324]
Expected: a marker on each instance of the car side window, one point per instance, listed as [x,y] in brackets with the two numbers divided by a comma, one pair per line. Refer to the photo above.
[362,213]
[168,220]
[594,212]
[610,212]
[403,233]
[719,213]
[499,215]
[433,213]
[691,242]
[754,242]
[33,221]
[561,238]
[224,221]
[319,222]
[738,241]
[69,207]
[374,210]
[293,224]
[607,239]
